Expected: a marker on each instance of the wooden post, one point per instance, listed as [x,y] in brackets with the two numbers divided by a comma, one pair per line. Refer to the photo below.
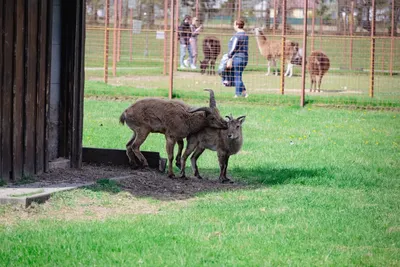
[303,60]
[372,60]
[115,38]
[173,35]
[344,42]
[176,28]
[131,34]
[320,32]
[351,22]
[119,29]
[392,42]
[165,35]
[312,26]
[383,54]
[106,39]
[273,27]
[239,6]
[283,46]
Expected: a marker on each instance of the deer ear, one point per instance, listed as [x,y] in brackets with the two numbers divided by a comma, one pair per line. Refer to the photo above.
[241,119]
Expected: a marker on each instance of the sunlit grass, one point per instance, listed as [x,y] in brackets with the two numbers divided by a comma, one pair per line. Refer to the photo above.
[324,191]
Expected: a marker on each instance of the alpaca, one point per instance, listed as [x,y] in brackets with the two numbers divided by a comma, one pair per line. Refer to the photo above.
[211,50]
[272,51]
[317,65]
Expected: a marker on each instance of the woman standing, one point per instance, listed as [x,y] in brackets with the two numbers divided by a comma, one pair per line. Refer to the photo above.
[238,50]
[195,28]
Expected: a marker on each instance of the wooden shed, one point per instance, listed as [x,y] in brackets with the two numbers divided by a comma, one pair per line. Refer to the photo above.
[42,78]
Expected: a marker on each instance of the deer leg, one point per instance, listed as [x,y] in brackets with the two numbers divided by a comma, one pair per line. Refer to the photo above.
[189,149]
[140,137]
[268,67]
[312,82]
[129,152]
[275,68]
[319,83]
[193,160]
[223,166]
[212,62]
[170,143]
[179,154]
[289,71]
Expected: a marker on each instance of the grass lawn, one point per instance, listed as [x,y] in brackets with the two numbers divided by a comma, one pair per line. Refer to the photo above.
[324,191]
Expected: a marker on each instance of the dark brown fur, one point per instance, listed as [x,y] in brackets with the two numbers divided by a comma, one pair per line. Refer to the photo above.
[317,65]
[211,50]
[174,119]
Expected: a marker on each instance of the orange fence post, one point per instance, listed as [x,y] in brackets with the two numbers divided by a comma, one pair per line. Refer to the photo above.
[274,26]
[283,46]
[165,35]
[383,53]
[392,42]
[173,35]
[303,60]
[239,8]
[176,27]
[130,33]
[351,22]
[372,60]
[106,39]
[320,32]
[312,25]
[115,39]
[119,29]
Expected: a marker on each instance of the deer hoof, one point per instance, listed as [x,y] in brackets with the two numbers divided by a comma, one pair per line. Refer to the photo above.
[226,181]
[178,164]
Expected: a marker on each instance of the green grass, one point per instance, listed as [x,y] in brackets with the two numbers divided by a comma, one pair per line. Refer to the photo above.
[184,90]
[325,187]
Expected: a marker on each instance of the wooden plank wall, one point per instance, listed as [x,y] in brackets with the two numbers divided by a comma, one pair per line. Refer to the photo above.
[25,45]
[72,80]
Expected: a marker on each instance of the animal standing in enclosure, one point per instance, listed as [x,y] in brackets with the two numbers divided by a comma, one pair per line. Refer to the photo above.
[173,118]
[317,65]
[226,142]
[211,50]
[272,51]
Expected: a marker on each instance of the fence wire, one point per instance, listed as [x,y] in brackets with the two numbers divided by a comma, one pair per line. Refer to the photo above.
[359,38]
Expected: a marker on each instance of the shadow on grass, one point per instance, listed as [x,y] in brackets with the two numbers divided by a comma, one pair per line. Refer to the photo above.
[274,176]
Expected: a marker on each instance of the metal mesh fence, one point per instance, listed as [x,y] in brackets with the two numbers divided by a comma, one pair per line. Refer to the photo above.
[133,42]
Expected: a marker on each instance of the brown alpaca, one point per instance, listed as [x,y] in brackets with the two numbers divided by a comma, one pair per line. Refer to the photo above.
[272,51]
[317,65]
[211,50]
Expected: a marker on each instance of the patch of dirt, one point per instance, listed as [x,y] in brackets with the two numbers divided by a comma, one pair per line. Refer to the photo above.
[139,183]
[157,185]
[136,185]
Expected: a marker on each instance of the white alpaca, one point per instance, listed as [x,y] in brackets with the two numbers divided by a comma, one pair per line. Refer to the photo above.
[272,51]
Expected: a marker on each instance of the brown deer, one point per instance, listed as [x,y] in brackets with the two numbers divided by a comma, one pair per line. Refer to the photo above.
[317,65]
[173,118]
[226,142]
